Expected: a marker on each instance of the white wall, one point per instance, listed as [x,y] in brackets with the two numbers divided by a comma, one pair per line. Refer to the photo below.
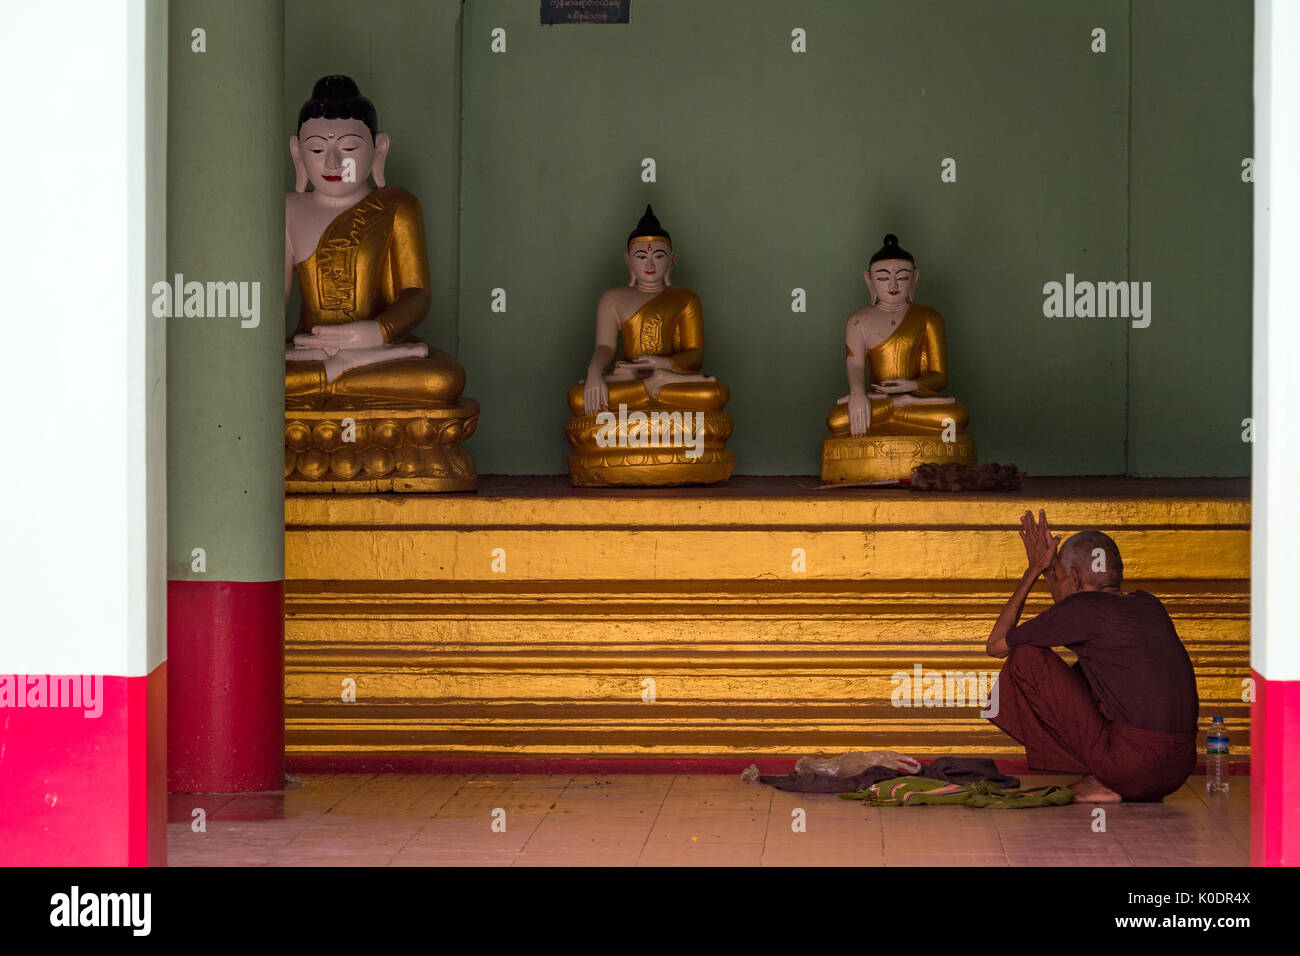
[1275,539]
[82,510]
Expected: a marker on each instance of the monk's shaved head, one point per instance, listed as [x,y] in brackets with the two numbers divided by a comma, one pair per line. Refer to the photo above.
[1094,557]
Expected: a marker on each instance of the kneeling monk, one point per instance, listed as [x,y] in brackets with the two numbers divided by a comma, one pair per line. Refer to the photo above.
[1125,715]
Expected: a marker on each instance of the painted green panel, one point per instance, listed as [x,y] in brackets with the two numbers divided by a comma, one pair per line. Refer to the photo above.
[779,170]
[1190,225]
[225,223]
[776,170]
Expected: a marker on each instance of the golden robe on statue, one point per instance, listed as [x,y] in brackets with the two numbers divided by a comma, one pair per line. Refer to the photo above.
[366,257]
[916,350]
[672,325]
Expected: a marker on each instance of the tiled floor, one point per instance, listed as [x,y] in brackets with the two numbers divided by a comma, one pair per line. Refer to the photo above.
[649,820]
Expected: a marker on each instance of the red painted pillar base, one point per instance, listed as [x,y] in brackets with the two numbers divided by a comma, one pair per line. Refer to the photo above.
[1275,773]
[225,686]
[82,784]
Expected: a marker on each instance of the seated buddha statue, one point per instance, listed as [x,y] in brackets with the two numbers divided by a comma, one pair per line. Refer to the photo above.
[650,418]
[896,356]
[358,251]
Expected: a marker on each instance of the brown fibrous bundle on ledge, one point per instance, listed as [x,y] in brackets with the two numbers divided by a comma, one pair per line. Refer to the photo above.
[987,477]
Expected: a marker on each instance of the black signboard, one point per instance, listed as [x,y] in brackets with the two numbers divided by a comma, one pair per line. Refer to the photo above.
[586,11]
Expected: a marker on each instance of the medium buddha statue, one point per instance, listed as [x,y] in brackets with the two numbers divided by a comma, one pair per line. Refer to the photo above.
[896,355]
[650,418]
[369,407]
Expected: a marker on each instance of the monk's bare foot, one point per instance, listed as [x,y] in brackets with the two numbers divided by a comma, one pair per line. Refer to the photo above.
[1091,790]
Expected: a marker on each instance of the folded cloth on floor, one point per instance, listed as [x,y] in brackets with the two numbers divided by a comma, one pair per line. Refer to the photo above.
[924,791]
[968,771]
[809,781]
[959,770]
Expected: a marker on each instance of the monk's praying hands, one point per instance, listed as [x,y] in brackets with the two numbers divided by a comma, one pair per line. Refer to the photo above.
[1040,546]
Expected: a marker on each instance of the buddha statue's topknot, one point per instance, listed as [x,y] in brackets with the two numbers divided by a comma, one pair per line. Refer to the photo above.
[891,250]
[649,228]
[338,97]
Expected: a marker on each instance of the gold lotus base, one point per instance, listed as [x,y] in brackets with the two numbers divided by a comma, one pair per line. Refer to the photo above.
[889,457]
[380,449]
[757,617]
[653,454]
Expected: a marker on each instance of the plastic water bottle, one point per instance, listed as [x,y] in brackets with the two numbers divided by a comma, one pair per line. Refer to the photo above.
[1216,758]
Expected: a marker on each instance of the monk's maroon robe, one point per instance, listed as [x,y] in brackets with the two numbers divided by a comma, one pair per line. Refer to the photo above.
[1125,713]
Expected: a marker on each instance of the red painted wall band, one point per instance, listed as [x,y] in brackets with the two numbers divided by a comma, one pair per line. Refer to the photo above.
[1275,773]
[225,688]
[78,788]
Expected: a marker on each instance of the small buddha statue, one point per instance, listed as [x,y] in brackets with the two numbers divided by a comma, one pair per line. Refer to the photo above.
[358,251]
[896,356]
[651,418]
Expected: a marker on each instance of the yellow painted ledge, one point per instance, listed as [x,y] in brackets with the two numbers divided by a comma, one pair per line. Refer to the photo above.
[758,617]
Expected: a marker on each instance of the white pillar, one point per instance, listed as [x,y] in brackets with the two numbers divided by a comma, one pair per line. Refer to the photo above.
[1275,522]
[82,491]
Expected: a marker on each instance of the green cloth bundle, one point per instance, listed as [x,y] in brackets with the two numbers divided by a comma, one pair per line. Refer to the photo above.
[922,791]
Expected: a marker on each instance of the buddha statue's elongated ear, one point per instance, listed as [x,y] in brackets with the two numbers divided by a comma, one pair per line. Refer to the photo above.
[916,278]
[866,277]
[381,155]
[299,170]
[668,273]
[631,276]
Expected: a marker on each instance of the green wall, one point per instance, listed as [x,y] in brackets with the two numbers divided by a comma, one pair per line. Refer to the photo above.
[779,170]
[225,383]
[1190,219]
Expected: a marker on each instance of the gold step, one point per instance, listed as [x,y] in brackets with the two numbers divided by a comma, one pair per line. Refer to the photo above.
[771,618]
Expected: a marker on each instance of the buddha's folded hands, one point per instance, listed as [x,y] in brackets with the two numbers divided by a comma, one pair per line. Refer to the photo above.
[347,359]
[630,370]
[349,335]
